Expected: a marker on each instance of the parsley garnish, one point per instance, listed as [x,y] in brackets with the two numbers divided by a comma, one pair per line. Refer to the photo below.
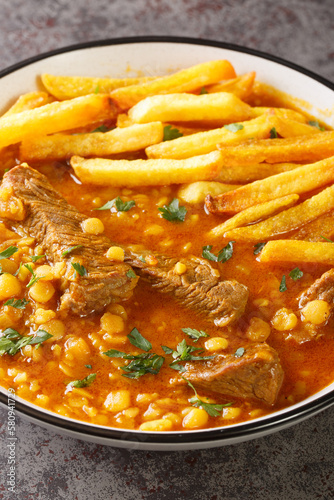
[121,206]
[173,212]
[315,123]
[17,303]
[212,409]
[131,274]
[326,239]
[78,268]
[273,133]
[101,128]
[34,278]
[194,334]
[296,274]
[171,133]
[223,255]
[35,258]
[239,352]
[234,127]
[70,250]
[85,382]
[258,247]
[203,91]
[282,287]
[12,341]
[8,252]
[88,366]
[184,353]
[139,341]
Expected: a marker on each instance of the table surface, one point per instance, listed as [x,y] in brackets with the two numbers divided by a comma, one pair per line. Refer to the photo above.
[296,463]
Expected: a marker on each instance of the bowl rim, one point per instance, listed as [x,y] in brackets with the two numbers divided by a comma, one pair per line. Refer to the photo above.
[239,432]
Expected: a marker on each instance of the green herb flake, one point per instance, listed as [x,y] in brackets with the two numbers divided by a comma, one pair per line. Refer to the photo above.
[85,382]
[194,334]
[140,364]
[234,127]
[273,133]
[326,239]
[212,409]
[119,204]
[17,303]
[102,128]
[207,254]
[315,123]
[78,268]
[171,133]
[35,258]
[173,212]
[131,274]
[239,352]
[223,255]
[12,341]
[70,250]
[8,252]
[282,287]
[258,248]
[296,274]
[184,353]
[34,278]
[203,91]
[88,366]
[139,341]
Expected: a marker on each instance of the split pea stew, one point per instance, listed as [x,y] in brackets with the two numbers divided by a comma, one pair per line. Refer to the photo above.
[166,249]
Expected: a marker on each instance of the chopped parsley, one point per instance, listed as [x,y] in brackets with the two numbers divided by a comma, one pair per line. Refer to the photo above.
[17,303]
[283,287]
[171,133]
[234,127]
[173,212]
[131,274]
[88,366]
[85,382]
[296,274]
[194,334]
[258,248]
[212,409]
[184,353]
[239,352]
[273,133]
[326,239]
[70,250]
[136,339]
[12,341]
[203,91]
[119,204]
[315,123]
[102,128]
[223,255]
[34,278]
[8,252]
[35,258]
[78,268]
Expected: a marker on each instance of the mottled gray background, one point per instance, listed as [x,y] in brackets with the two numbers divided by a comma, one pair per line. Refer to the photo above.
[295,464]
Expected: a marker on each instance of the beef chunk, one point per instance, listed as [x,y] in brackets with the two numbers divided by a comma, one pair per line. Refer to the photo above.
[200,287]
[56,225]
[322,289]
[256,375]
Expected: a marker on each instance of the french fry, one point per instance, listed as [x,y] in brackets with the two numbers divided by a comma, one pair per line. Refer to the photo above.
[221,107]
[284,113]
[241,86]
[288,220]
[298,251]
[186,80]
[31,100]
[117,173]
[299,180]
[242,174]
[195,192]
[55,117]
[67,87]
[118,140]
[254,213]
[311,147]
[291,128]
[204,142]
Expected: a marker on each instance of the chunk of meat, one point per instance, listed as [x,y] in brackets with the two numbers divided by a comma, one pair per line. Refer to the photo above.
[200,287]
[56,225]
[322,289]
[256,375]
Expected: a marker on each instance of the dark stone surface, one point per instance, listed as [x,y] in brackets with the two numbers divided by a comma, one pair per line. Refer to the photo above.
[294,464]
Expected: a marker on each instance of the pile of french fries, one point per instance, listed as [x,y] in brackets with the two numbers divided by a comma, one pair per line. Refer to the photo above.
[267,170]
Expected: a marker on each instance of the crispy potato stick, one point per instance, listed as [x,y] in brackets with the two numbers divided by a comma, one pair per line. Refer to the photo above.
[309,148]
[31,100]
[299,180]
[254,213]
[284,113]
[186,80]
[241,86]
[298,251]
[55,117]
[221,107]
[248,173]
[288,220]
[67,87]
[118,140]
[100,171]
[204,142]
[291,128]
[197,191]
[123,120]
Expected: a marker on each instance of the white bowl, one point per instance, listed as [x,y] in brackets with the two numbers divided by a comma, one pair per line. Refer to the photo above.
[156,56]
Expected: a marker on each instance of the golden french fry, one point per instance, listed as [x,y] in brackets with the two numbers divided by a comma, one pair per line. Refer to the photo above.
[221,107]
[284,113]
[31,100]
[242,174]
[67,87]
[55,117]
[118,140]
[204,142]
[123,120]
[119,173]
[311,147]
[299,180]
[291,128]
[298,251]
[241,86]
[196,192]
[254,213]
[186,80]
[288,220]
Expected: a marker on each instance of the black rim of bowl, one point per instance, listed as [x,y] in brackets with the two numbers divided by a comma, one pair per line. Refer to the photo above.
[247,430]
